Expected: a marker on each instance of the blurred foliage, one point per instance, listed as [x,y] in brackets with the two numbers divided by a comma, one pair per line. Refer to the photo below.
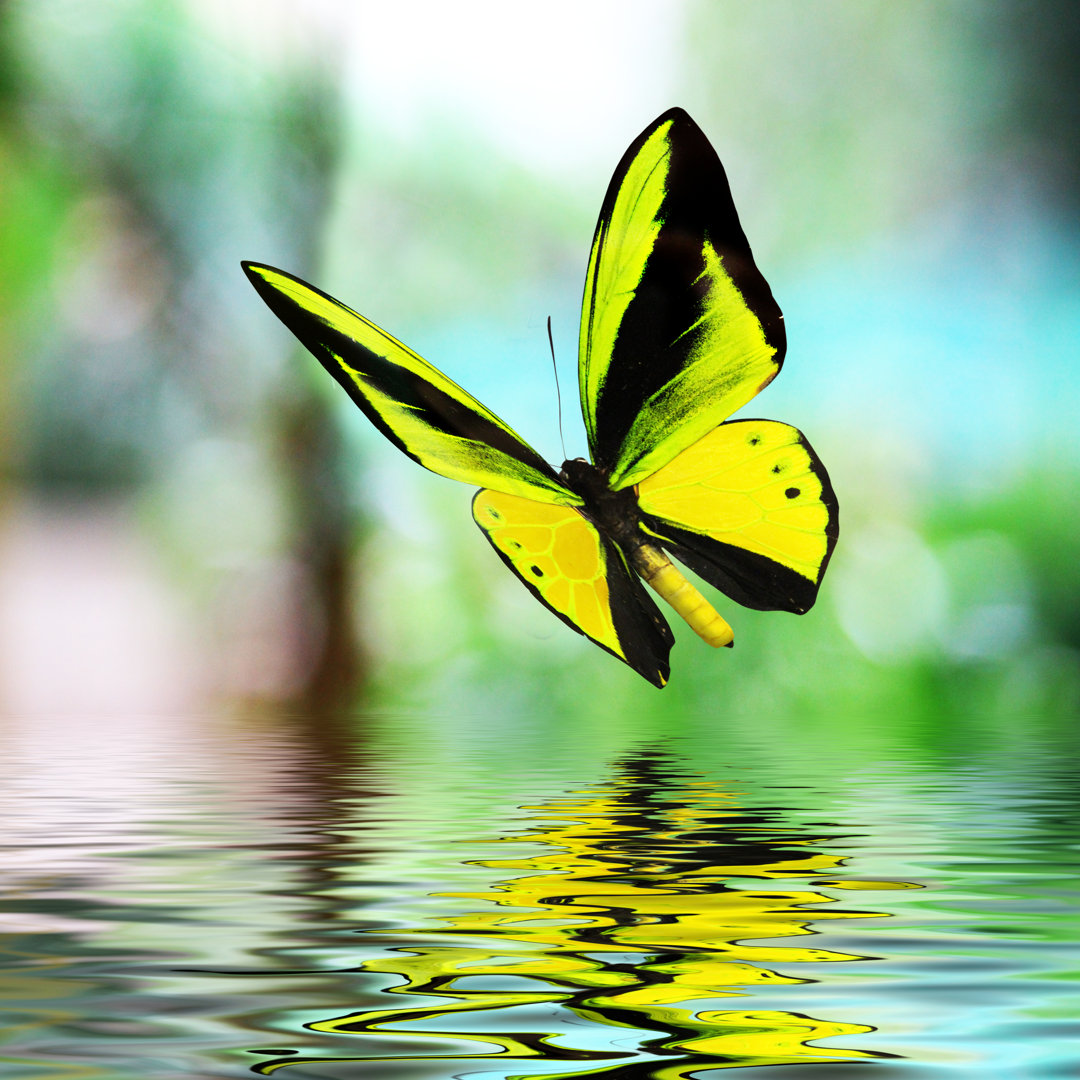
[146,147]
[1034,47]
[162,145]
[1039,516]
[144,158]
[878,114]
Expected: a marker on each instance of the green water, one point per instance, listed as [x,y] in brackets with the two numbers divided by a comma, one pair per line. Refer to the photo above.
[437,897]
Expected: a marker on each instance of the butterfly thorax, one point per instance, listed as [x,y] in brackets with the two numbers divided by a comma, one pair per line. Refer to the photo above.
[614,513]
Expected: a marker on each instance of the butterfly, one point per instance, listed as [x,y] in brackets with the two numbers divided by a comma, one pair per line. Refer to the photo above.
[678,330]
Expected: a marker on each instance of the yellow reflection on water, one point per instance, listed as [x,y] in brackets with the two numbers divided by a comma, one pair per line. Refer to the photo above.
[652,900]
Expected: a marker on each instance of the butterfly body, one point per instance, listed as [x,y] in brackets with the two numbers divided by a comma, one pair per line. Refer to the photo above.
[615,513]
[679,329]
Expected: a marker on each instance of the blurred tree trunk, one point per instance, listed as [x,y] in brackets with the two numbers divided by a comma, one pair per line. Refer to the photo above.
[312,459]
[311,450]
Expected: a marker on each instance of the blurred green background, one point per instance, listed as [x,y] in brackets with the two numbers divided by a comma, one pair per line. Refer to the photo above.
[192,515]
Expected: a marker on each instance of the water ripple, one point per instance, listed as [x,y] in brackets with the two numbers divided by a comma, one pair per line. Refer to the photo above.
[249,900]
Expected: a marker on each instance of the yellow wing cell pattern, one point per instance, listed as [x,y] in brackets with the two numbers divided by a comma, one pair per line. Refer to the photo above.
[577,573]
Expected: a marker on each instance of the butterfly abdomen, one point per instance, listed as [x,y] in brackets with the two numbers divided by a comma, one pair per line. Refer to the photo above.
[661,575]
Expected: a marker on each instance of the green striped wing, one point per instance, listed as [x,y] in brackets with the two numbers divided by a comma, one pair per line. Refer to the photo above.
[418,408]
[678,327]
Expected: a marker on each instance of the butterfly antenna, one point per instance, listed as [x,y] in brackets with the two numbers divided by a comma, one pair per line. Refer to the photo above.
[558,393]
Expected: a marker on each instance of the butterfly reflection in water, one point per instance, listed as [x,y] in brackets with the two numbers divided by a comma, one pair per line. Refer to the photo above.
[678,330]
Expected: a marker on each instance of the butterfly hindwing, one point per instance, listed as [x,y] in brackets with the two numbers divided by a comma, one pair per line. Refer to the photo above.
[751,509]
[678,327]
[416,406]
[571,568]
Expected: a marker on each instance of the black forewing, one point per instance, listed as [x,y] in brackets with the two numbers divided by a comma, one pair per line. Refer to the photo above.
[418,408]
[662,325]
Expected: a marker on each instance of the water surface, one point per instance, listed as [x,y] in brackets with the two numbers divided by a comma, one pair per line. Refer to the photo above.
[436,897]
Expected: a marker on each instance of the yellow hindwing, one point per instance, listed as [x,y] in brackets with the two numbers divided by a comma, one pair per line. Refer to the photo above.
[559,554]
[751,484]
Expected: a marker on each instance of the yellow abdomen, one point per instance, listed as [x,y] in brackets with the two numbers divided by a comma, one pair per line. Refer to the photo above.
[661,575]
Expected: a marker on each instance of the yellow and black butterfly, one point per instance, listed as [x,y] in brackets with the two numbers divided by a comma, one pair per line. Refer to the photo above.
[678,330]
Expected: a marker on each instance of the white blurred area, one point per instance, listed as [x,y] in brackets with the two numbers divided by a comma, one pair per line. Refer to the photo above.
[94,621]
[557,87]
[89,622]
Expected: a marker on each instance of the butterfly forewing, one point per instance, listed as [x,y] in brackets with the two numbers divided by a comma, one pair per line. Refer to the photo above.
[749,508]
[679,329]
[571,568]
[418,408]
